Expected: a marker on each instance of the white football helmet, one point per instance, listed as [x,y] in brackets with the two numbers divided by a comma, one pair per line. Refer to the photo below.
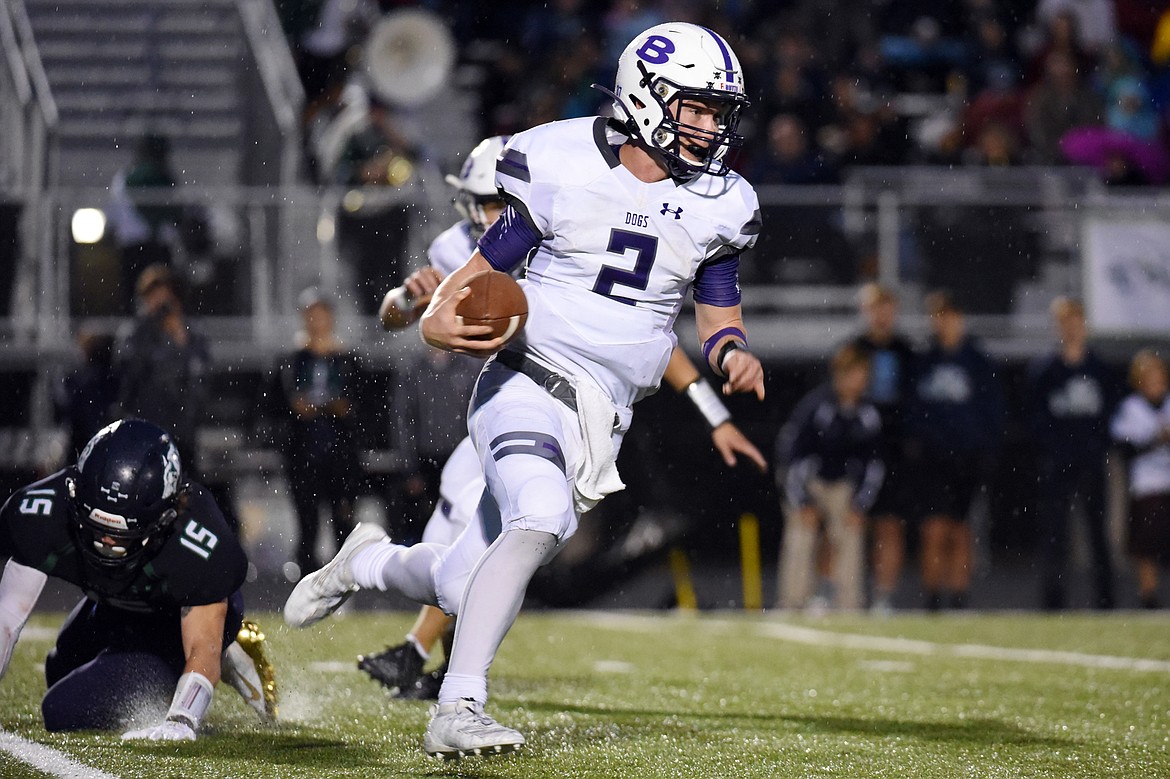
[476,182]
[666,65]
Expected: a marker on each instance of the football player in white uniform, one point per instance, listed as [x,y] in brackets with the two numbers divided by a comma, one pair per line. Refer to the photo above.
[617,220]
[400,667]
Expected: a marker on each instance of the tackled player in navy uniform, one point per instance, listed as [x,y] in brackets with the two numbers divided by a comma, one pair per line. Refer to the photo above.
[161,620]
[617,221]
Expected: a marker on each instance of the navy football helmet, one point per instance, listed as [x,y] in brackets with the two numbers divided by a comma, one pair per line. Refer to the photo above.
[127,483]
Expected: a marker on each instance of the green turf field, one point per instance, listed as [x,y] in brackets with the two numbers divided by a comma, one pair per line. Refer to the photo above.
[660,695]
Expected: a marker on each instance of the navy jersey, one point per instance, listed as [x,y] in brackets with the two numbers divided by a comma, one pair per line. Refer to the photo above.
[957,405]
[1069,406]
[199,562]
[823,440]
[891,379]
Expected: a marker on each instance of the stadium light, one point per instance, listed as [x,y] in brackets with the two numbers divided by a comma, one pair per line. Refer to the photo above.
[89,225]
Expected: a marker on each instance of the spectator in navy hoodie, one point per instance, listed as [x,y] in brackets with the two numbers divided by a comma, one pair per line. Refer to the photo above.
[954,422]
[1071,395]
[832,471]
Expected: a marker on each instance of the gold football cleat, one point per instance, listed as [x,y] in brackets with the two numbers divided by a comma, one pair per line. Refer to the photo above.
[252,640]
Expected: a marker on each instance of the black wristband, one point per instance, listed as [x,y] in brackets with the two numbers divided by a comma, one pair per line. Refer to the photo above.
[727,349]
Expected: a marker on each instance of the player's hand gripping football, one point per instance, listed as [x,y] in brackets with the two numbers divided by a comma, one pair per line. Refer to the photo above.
[441,327]
[744,373]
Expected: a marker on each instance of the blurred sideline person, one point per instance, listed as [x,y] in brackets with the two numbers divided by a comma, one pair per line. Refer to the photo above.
[616,220]
[84,396]
[830,456]
[953,420]
[162,617]
[1069,400]
[318,393]
[1142,428]
[891,384]
[461,481]
[162,363]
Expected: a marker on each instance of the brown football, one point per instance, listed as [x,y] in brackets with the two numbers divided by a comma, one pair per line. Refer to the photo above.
[496,300]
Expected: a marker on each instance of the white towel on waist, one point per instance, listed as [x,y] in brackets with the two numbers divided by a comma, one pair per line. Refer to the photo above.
[597,475]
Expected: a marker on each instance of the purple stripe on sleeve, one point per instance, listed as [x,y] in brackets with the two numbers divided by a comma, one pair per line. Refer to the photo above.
[508,242]
[710,343]
[717,282]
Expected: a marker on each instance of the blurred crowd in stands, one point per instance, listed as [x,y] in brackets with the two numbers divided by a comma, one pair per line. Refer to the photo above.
[834,83]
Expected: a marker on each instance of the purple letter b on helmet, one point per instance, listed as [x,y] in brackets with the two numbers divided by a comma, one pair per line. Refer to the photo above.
[656,50]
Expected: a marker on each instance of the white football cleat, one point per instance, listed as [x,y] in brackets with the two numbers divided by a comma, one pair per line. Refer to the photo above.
[462,728]
[322,592]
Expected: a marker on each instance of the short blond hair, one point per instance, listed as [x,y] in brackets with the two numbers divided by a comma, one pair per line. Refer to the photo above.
[940,301]
[849,356]
[1063,306]
[872,293]
[1143,361]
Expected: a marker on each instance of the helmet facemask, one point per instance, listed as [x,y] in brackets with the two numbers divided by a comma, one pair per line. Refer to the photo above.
[675,139]
[472,207]
[118,544]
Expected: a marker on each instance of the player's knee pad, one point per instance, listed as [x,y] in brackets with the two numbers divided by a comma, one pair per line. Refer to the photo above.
[544,503]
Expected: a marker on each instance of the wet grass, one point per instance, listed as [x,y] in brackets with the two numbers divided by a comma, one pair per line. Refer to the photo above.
[661,695]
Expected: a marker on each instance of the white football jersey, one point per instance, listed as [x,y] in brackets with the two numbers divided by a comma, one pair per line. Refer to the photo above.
[607,283]
[451,248]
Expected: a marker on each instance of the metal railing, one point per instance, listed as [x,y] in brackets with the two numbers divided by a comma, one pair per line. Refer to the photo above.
[1005,247]
[27,161]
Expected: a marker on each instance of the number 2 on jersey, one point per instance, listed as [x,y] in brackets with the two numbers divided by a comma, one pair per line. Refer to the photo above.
[645,248]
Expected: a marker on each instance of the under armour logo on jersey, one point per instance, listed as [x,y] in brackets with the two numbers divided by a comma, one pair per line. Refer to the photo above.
[666,209]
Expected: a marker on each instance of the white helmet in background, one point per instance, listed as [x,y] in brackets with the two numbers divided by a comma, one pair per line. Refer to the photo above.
[666,65]
[476,183]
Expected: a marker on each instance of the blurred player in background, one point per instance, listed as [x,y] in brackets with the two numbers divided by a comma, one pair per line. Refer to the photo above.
[401,667]
[1142,427]
[831,457]
[617,220]
[891,384]
[954,422]
[317,390]
[162,617]
[1070,396]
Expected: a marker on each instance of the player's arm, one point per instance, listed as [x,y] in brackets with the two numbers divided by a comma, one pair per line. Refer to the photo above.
[202,631]
[405,304]
[683,377]
[20,587]
[724,344]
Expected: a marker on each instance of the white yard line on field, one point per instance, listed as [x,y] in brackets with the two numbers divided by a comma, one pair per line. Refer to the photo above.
[906,646]
[47,759]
